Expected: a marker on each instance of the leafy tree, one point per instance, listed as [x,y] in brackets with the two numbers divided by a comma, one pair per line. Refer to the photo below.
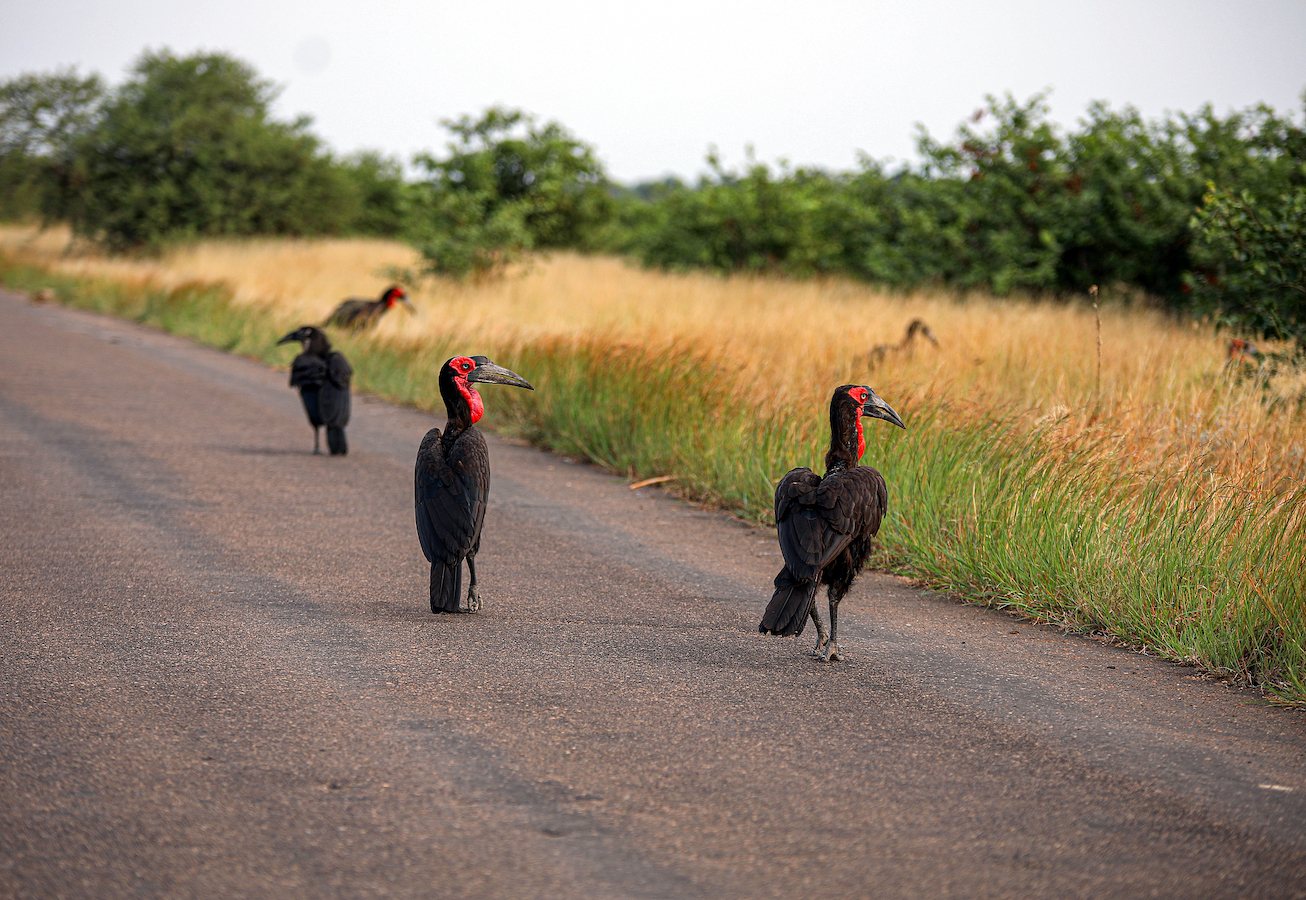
[1129,199]
[1006,189]
[903,229]
[1255,253]
[505,187]
[757,221]
[1008,204]
[41,116]
[186,148]
[384,197]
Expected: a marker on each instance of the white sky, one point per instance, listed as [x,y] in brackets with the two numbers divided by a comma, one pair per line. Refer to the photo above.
[652,85]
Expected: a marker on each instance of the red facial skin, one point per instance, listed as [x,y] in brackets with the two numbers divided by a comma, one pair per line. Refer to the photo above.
[392,298]
[860,395]
[462,366]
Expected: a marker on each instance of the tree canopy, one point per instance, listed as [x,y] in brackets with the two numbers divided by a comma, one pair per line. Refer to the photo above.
[505,186]
[186,148]
[40,118]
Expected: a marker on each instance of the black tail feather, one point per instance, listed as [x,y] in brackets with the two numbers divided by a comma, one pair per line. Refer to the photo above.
[336,441]
[790,606]
[446,586]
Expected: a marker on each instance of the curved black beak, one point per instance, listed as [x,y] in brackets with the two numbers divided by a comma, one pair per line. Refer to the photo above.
[293,336]
[487,372]
[404,301]
[876,408]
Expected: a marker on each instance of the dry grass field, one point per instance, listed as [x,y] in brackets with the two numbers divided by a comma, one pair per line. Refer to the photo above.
[1157,399]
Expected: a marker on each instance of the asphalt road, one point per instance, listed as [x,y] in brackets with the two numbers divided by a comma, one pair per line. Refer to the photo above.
[220,679]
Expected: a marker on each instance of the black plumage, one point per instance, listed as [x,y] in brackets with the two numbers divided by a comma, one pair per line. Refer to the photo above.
[357,313]
[322,376]
[451,481]
[825,524]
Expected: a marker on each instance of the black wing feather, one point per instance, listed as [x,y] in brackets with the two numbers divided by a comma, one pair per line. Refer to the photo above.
[333,399]
[339,371]
[450,495]
[817,518]
[308,370]
[351,312]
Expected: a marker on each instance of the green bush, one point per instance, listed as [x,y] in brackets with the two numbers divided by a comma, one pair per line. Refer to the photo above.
[505,187]
[1255,278]
[186,149]
[41,117]
[381,195]
[1009,204]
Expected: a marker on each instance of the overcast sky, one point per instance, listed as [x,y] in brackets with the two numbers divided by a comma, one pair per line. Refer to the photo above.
[652,85]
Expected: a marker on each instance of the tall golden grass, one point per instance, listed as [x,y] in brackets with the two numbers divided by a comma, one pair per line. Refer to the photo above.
[1157,400]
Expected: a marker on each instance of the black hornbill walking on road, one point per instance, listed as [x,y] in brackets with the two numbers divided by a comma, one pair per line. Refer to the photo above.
[322,376]
[452,481]
[358,313]
[825,525]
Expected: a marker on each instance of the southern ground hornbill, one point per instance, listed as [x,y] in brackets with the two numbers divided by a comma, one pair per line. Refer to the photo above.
[357,313]
[914,327]
[322,376]
[452,481]
[825,525]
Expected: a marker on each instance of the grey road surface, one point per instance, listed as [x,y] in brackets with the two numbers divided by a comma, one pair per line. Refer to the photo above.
[221,680]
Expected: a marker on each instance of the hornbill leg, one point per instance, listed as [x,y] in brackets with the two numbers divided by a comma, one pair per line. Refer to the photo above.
[832,653]
[821,636]
[315,438]
[473,595]
[437,576]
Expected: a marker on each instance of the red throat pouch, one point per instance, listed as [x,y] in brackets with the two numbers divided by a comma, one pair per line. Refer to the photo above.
[476,404]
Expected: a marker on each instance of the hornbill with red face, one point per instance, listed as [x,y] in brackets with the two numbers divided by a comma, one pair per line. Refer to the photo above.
[452,481]
[358,313]
[825,525]
[322,376]
[1242,352]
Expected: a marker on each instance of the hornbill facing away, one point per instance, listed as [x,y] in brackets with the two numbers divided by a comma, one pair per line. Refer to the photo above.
[322,376]
[358,313]
[452,481]
[825,525]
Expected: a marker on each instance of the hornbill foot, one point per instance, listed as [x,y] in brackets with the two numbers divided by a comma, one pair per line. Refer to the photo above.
[821,641]
[473,600]
[831,653]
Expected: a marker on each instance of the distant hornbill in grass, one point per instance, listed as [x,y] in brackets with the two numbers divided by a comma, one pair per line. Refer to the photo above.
[322,376]
[452,481]
[1242,352]
[357,313]
[825,525]
[914,327]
